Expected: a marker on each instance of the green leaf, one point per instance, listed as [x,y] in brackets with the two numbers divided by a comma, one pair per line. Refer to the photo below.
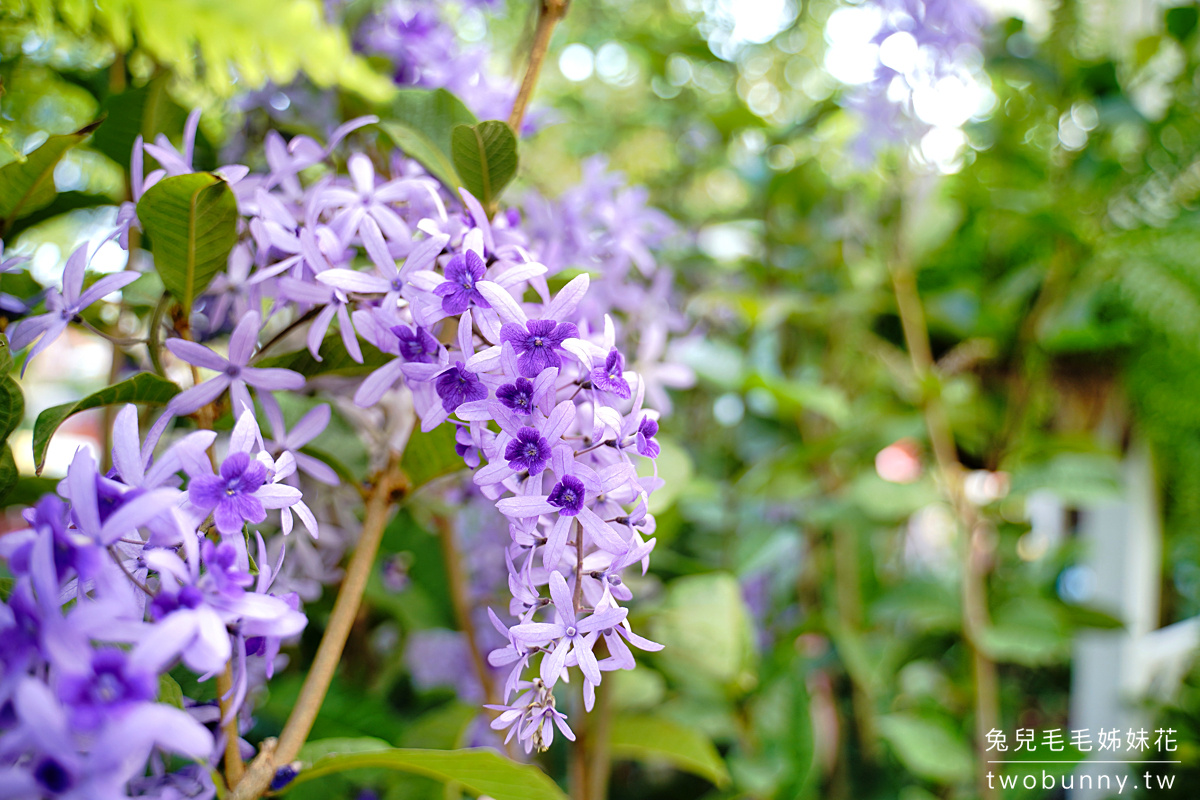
[6,358]
[430,455]
[145,387]
[8,472]
[26,186]
[334,359]
[646,738]
[12,406]
[1181,21]
[143,111]
[319,749]
[485,156]
[169,691]
[28,490]
[445,727]
[707,632]
[192,224]
[928,748]
[477,770]
[420,124]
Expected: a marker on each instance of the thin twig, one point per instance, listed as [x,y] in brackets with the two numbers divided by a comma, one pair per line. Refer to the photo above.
[118,341]
[277,338]
[580,771]
[549,14]
[341,619]
[600,723]
[154,334]
[234,766]
[112,551]
[974,580]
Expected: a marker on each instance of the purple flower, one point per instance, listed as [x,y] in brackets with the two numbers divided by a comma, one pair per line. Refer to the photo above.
[105,525]
[308,428]
[567,495]
[459,292]
[109,684]
[570,634]
[231,495]
[234,374]
[537,343]
[416,345]
[64,306]
[457,386]
[529,451]
[517,395]
[646,432]
[611,377]
[8,303]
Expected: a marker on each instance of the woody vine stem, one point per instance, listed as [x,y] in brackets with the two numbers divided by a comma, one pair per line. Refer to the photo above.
[389,484]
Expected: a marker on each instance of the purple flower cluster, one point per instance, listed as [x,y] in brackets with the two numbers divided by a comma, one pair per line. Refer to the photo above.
[118,579]
[924,77]
[426,52]
[539,334]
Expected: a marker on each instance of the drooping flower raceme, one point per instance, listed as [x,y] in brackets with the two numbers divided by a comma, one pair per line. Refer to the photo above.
[172,559]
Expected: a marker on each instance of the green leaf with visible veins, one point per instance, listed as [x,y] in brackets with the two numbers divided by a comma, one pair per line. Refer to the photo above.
[478,770]
[420,123]
[485,156]
[145,387]
[192,224]
[26,186]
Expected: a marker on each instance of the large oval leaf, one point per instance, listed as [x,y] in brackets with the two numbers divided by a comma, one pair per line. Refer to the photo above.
[485,156]
[26,186]
[928,748]
[646,738]
[478,770]
[192,224]
[420,124]
[145,387]
[430,455]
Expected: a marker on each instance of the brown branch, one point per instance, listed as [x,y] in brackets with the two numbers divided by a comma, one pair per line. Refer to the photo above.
[234,767]
[974,581]
[550,12]
[345,609]
[341,619]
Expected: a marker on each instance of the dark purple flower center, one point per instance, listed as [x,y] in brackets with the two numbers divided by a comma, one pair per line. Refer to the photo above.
[233,370]
[190,597]
[536,343]
[529,451]
[459,291]
[457,386]
[567,495]
[518,395]
[53,776]
[416,345]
